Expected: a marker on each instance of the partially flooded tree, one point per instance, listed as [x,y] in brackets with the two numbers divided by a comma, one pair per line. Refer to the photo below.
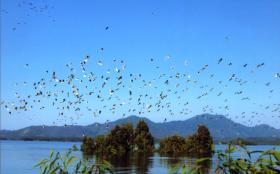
[200,143]
[88,145]
[100,145]
[173,145]
[121,138]
[143,139]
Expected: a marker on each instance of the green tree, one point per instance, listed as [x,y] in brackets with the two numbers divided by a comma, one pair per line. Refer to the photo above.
[201,143]
[88,145]
[173,145]
[143,139]
[121,138]
[100,145]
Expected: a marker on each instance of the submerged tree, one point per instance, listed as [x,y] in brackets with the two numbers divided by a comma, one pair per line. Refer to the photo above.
[143,139]
[200,143]
[88,145]
[121,138]
[173,145]
[100,144]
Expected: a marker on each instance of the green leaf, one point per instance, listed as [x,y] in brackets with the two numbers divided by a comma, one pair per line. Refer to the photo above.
[70,160]
[230,149]
[174,169]
[52,153]
[184,169]
[44,161]
[45,170]
[52,163]
[55,169]
[78,166]
[202,160]
[276,154]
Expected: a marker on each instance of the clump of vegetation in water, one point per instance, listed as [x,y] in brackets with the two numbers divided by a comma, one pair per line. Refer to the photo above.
[143,139]
[173,145]
[123,139]
[198,144]
[67,163]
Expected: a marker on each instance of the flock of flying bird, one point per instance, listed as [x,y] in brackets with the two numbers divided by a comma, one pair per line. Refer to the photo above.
[31,8]
[83,91]
[115,91]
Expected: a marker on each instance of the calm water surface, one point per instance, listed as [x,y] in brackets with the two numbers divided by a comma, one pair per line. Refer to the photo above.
[21,156]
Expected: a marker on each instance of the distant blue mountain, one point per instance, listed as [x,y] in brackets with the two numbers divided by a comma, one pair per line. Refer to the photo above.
[220,127]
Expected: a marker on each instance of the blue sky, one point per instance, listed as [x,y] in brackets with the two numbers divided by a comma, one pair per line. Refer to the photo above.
[198,32]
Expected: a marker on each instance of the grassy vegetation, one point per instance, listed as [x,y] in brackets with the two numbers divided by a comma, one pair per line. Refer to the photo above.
[263,162]
[67,163]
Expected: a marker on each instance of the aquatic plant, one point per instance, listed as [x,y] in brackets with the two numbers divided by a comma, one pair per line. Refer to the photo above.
[264,162]
[67,163]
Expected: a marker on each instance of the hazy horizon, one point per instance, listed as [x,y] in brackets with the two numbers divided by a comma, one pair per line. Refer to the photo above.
[167,121]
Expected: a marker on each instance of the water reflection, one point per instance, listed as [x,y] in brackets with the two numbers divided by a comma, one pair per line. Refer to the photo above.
[141,163]
[185,161]
[138,163]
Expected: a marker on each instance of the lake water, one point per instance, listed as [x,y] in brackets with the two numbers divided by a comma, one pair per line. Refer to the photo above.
[20,157]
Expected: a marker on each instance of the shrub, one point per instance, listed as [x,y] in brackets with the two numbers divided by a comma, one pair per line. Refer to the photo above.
[173,145]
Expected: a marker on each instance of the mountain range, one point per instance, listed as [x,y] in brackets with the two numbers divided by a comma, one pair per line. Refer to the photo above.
[221,128]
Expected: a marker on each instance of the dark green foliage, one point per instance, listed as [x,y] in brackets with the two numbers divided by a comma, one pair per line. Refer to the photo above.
[143,139]
[198,144]
[88,145]
[122,140]
[173,145]
[101,145]
[201,143]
